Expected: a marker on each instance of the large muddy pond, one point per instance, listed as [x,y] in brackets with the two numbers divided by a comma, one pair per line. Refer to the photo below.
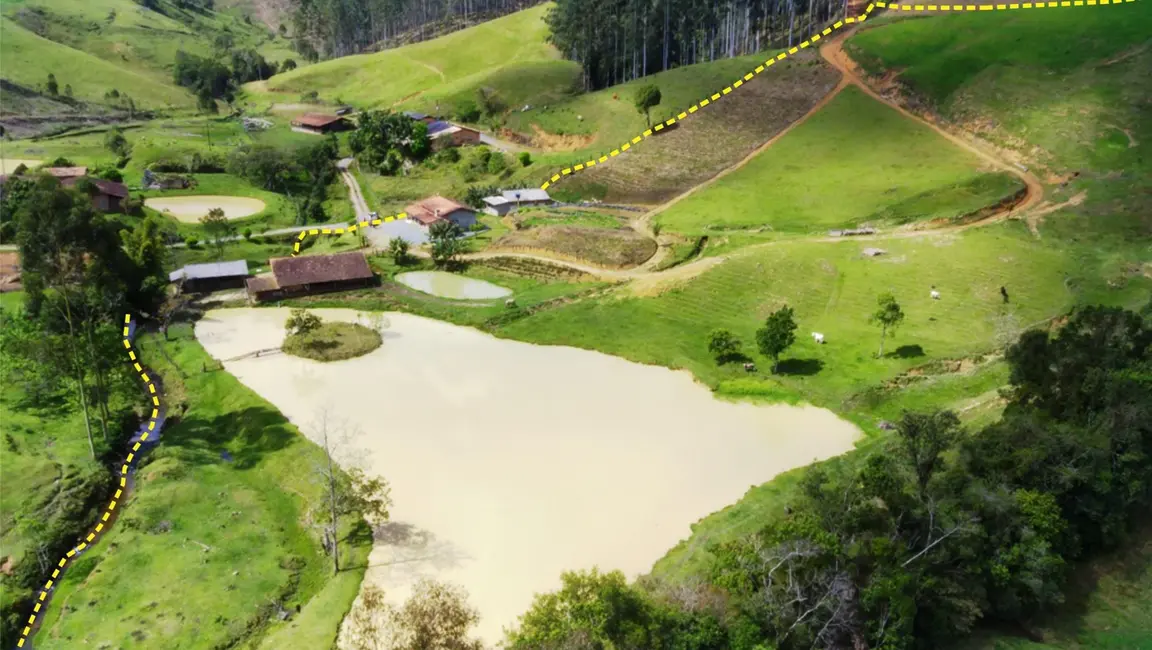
[510,463]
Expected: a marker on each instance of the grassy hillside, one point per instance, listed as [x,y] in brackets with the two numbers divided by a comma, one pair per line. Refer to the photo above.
[697,149]
[509,55]
[855,161]
[28,59]
[231,476]
[98,45]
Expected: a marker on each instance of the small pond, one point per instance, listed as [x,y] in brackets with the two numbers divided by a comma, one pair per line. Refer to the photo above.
[450,285]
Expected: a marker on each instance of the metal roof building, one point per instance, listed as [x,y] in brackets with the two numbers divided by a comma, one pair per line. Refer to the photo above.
[209,271]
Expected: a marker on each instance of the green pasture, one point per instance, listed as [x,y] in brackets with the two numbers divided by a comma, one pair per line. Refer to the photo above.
[231,475]
[498,54]
[833,289]
[98,45]
[28,59]
[856,161]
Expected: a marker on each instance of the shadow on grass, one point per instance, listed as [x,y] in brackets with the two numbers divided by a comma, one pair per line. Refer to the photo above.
[801,367]
[735,357]
[906,352]
[247,435]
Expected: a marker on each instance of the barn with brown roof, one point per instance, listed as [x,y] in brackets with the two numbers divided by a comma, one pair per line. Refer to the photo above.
[319,123]
[309,274]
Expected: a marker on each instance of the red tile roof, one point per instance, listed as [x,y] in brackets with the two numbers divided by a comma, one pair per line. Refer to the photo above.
[314,269]
[433,209]
[315,120]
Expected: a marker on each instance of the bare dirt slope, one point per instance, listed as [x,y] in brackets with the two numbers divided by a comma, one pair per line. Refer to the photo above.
[716,137]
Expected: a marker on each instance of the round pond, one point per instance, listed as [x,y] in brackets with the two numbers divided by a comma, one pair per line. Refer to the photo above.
[450,285]
[190,209]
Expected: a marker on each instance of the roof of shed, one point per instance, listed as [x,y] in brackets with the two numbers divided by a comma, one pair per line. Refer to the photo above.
[212,270]
[526,195]
[316,119]
[313,269]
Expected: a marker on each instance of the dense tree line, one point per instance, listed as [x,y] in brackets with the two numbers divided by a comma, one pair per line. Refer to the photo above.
[209,79]
[620,40]
[913,544]
[340,27]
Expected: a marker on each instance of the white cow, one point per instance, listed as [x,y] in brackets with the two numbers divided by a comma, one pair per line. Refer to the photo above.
[935,294]
[819,338]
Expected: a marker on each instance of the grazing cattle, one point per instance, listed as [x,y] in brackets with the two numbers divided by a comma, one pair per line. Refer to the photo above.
[750,367]
[935,294]
[818,337]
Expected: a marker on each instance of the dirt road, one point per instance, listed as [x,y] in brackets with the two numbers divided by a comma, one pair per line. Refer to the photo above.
[354,192]
[833,53]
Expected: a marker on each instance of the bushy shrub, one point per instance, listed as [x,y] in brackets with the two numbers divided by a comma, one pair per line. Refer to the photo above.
[525,158]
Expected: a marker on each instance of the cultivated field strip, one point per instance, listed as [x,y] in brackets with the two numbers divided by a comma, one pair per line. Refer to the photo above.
[128,461]
[692,110]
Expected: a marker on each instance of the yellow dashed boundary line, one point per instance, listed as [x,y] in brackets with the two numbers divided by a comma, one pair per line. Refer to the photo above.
[315,232]
[128,460]
[815,39]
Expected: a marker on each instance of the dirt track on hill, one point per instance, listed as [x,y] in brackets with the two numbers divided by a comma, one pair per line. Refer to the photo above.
[832,52]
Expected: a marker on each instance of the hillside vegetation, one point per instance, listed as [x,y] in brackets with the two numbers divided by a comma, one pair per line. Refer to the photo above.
[856,161]
[100,45]
[221,508]
[509,56]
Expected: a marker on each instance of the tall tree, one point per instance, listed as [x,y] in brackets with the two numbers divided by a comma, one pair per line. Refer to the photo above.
[888,316]
[218,228]
[647,97]
[777,335]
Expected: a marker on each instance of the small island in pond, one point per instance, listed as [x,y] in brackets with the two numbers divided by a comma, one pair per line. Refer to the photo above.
[312,338]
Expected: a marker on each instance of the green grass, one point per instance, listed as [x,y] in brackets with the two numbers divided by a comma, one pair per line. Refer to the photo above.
[141,587]
[509,54]
[333,342]
[28,59]
[582,218]
[897,172]
[98,45]
[833,289]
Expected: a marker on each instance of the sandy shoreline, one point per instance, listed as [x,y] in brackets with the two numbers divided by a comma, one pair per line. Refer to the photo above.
[510,462]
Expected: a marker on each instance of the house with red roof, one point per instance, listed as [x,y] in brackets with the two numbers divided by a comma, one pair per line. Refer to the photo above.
[437,208]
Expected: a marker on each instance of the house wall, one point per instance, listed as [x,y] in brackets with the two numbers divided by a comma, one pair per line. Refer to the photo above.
[312,289]
[205,285]
[499,210]
[463,218]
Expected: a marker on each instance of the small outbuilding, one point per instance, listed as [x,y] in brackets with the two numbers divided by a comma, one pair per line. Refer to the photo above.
[446,134]
[527,198]
[437,208]
[497,205]
[107,196]
[320,124]
[419,117]
[311,274]
[204,278]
